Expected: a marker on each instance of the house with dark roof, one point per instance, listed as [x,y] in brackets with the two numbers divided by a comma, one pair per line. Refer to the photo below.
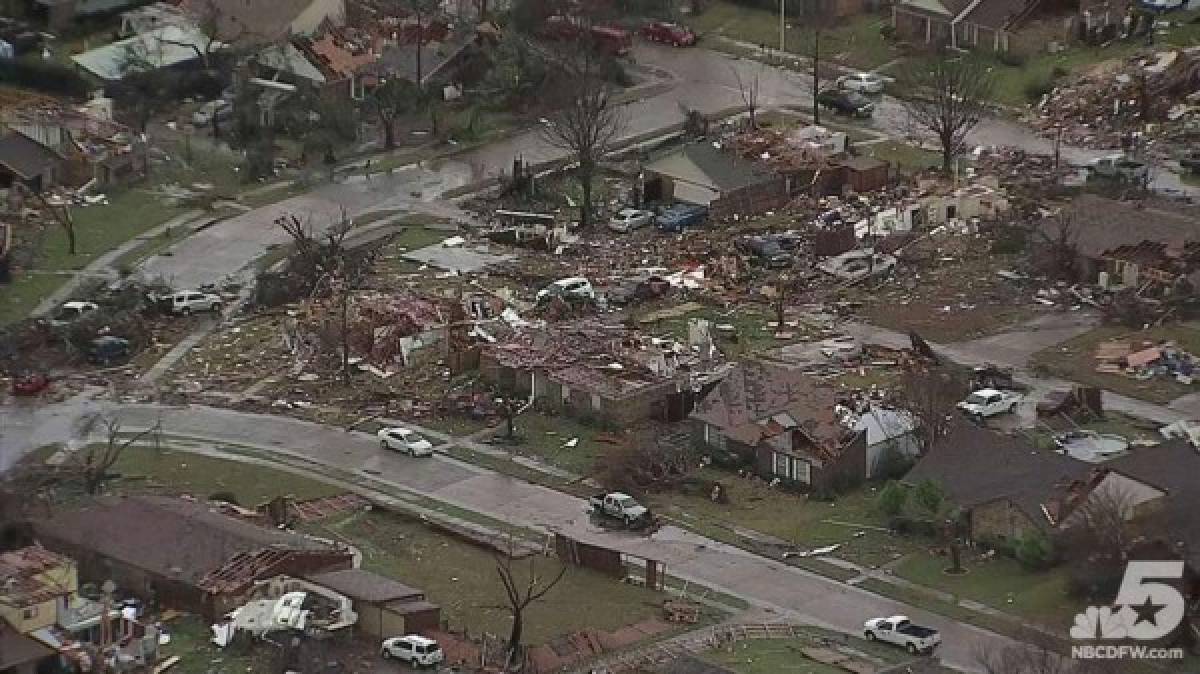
[784,424]
[385,607]
[959,24]
[20,654]
[1120,243]
[182,553]
[703,174]
[26,161]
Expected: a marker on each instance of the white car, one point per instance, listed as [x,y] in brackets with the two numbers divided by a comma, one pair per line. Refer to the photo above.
[191,301]
[629,219]
[70,312]
[405,440]
[577,287]
[900,631]
[988,402]
[866,83]
[414,650]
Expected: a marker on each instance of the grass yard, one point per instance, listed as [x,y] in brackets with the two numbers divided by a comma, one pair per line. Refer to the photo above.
[749,325]
[461,577]
[545,437]
[142,468]
[756,507]
[1074,360]
[906,158]
[191,641]
[999,582]
[855,41]
[768,656]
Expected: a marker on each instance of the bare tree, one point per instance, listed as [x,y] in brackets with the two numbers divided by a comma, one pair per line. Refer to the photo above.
[1097,537]
[1060,238]
[521,593]
[588,120]
[93,462]
[929,396]
[389,101]
[749,88]
[948,98]
[62,214]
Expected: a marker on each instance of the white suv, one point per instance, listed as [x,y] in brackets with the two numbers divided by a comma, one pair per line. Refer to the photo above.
[193,300]
[413,649]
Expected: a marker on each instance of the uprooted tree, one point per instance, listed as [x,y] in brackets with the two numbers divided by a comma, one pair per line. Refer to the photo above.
[749,87]
[588,120]
[520,593]
[93,463]
[948,98]
[1059,235]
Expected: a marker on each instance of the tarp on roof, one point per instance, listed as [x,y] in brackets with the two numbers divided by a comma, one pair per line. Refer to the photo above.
[161,48]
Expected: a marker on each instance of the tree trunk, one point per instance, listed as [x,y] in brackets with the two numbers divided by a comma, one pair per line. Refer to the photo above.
[816,75]
[420,39]
[947,156]
[585,184]
[514,637]
[69,226]
[955,558]
[510,430]
[389,134]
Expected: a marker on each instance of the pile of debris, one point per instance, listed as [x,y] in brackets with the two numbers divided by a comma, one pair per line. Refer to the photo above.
[1160,91]
[1146,360]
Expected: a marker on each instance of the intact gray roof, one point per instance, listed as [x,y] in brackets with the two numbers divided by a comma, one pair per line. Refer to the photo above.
[25,157]
[171,537]
[363,585]
[1104,224]
[728,171]
[1173,467]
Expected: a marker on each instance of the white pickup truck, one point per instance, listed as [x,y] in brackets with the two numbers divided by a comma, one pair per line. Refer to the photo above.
[619,506]
[988,402]
[899,631]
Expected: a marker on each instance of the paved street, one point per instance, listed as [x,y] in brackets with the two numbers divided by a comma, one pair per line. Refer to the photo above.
[789,591]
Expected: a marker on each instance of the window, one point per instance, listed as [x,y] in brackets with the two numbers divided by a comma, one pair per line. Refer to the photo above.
[781,464]
[29,613]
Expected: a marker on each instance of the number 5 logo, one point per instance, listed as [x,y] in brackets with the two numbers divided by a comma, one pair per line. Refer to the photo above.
[1150,610]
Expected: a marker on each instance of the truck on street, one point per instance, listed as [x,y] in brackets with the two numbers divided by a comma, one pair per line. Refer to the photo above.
[898,630]
[619,506]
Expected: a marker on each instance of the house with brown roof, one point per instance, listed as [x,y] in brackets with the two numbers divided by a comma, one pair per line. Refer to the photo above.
[34,584]
[784,424]
[385,607]
[183,553]
[959,24]
[1127,244]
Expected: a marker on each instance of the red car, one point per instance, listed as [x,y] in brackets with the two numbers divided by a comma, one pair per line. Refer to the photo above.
[30,384]
[669,33]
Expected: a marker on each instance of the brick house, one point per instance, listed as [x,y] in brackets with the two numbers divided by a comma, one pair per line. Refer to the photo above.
[959,24]
[702,174]
[784,424]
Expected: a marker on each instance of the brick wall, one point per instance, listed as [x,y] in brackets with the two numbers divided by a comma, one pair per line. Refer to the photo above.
[998,520]
[750,200]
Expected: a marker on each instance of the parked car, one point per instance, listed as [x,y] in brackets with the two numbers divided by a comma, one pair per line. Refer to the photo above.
[619,506]
[108,349]
[628,219]
[669,33]
[766,251]
[849,103]
[220,108]
[574,288]
[414,650]
[900,631]
[30,383]
[989,402]
[1120,168]
[681,216]
[70,312]
[190,301]
[865,83]
[611,40]
[404,440]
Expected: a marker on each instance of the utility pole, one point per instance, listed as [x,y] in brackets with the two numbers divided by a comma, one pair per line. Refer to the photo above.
[816,73]
[782,26]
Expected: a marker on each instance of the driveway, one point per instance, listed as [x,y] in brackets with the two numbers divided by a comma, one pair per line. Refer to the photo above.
[788,591]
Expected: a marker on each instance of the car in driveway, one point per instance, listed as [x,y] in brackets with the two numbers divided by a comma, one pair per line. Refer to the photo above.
[629,219]
[70,312]
[681,216]
[864,83]
[414,650]
[404,440]
[849,103]
[190,301]
[989,402]
[670,33]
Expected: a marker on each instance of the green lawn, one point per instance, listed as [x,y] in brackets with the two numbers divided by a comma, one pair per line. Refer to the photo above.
[146,469]
[999,582]
[1074,360]
[755,506]
[545,437]
[855,41]
[749,323]
[191,640]
[462,578]
[906,158]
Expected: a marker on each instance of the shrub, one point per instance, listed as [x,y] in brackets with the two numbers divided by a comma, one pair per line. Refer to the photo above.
[1034,551]
[1038,87]
[1059,72]
[888,31]
[1012,59]
[929,497]
[893,464]
[892,498]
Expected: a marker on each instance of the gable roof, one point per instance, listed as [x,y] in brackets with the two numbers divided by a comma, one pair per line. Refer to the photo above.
[363,585]
[754,400]
[1173,466]
[702,163]
[263,21]
[1105,224]
[25,157]
[160,48]
[997,14]
[171,537]
[19,571]
[976,466]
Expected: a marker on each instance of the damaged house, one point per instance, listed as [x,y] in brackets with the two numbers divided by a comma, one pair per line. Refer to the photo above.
[702,173]
[960,24]
[607,372]
[183,553]
[785,424]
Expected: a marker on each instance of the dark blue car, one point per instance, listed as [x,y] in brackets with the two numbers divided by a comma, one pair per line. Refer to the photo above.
[681,216]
